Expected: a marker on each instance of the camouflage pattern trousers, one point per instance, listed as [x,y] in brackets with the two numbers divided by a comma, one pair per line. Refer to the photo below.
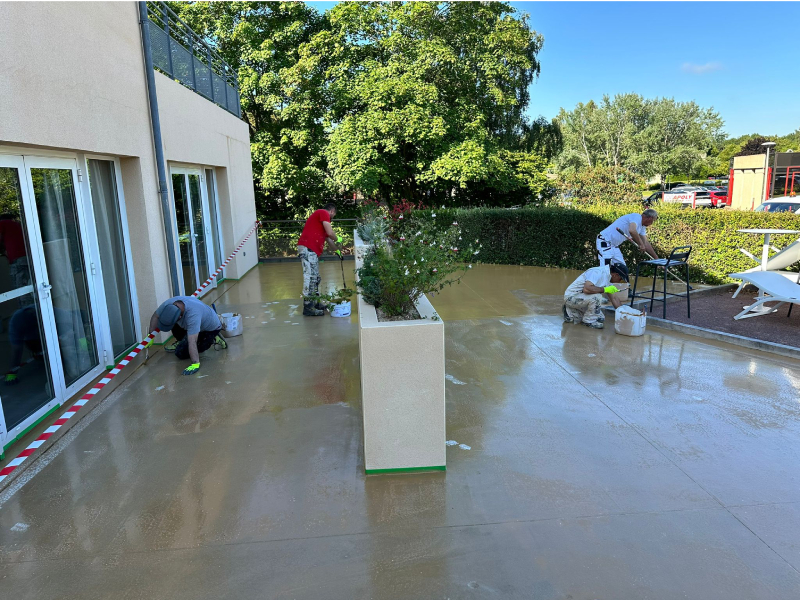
[311,278]
[584,308]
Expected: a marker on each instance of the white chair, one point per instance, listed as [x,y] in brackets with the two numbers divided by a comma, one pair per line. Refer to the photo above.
[773,286]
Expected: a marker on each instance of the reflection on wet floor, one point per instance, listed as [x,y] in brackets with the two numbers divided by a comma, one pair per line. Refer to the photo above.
[587,465]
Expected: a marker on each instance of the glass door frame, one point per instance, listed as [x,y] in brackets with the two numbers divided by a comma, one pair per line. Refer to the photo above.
[91,261]
[47,322]
[88,209]
[186,170]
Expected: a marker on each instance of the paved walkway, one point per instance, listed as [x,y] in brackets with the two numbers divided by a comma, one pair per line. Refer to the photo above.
[600,467]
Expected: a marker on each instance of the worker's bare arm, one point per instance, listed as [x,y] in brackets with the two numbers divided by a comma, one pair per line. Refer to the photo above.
[194,355]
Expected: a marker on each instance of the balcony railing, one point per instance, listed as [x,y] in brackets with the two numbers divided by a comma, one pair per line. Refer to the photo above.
[183,55]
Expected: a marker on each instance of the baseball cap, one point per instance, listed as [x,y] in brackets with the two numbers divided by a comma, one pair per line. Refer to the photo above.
[619,269]
[168,315]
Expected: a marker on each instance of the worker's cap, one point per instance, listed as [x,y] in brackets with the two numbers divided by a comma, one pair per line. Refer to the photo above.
[168,315]
[619,269]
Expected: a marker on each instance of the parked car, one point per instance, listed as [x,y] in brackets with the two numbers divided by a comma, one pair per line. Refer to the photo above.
[688,196]
[781,204]
[652,199]
[719,197]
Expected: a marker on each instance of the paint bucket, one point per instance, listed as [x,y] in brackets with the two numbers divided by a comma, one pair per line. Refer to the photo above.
[341,310]
[231,324]
[622,294]
[629,321]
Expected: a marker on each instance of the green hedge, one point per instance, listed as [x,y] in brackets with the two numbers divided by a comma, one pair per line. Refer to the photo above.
[565,237]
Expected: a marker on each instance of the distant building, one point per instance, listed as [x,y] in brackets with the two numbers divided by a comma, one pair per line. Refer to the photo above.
[749,186]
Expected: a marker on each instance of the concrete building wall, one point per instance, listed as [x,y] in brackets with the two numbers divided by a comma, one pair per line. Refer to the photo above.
[73,80]
[748,182]
[222,141]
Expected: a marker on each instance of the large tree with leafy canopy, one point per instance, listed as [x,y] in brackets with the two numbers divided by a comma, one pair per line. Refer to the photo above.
[262,41]
[426,100]
[645,136]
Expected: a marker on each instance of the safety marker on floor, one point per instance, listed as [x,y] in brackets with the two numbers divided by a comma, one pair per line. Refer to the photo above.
[22,456]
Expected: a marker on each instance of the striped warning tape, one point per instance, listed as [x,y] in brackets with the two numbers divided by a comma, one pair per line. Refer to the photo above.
[32,447]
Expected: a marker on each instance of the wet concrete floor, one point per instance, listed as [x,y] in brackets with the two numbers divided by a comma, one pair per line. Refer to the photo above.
[599,467]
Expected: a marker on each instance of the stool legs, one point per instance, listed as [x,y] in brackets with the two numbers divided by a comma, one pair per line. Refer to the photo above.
[688,308]
[653,289]
[665,292]
[635,283]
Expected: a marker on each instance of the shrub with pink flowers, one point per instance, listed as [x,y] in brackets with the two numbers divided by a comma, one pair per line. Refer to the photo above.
[422,257]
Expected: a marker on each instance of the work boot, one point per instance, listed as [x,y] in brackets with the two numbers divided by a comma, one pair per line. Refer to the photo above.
[310,311]
[596,325]
[567,318]
[321,306]
[221,342]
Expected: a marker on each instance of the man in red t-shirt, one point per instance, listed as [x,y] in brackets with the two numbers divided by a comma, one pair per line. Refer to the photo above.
[316,232]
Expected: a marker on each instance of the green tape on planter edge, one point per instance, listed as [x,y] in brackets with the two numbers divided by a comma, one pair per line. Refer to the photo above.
[405,470]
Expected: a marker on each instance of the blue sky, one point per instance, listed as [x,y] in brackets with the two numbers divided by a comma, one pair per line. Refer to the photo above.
[719,54]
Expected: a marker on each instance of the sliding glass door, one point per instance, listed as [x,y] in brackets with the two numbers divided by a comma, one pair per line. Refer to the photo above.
[27,381]
[46,301]
[105,190]
[194,228]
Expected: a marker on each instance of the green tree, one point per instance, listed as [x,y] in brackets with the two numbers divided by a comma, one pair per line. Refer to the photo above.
[426,100]
[648,137]
[676,137]
[262,41]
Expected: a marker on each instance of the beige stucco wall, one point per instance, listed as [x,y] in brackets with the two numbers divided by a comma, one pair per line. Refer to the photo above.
[748,182]
[72,79]
[222,141]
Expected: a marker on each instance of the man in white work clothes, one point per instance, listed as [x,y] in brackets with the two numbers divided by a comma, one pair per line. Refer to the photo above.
[635,226]
[583,297]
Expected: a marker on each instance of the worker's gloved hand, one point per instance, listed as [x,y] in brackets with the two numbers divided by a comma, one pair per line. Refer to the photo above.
[339,254]
[339,239]
[610,289]
[11,378]
[149,342]
[192,369]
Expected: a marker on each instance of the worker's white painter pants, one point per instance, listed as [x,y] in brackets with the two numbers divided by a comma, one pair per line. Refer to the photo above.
[607,253]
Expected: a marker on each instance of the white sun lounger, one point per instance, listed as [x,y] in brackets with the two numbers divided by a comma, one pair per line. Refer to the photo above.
[774,287]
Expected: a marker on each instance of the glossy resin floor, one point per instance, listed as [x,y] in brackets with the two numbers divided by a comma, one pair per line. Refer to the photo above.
[598,467]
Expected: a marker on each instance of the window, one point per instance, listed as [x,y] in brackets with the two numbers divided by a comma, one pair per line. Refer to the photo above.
[105,199]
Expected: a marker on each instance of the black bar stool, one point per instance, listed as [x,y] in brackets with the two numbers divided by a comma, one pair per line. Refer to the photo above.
[678,258]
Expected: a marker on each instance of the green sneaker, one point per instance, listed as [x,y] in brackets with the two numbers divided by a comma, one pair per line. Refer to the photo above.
[221,342]
[171,347]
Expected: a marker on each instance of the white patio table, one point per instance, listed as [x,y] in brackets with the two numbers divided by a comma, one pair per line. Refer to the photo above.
[764,257]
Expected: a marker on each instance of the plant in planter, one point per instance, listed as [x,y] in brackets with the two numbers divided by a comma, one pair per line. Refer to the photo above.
[374,225]
[419,260]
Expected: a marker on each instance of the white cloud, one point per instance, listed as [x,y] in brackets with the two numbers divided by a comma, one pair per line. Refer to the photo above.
[701,69]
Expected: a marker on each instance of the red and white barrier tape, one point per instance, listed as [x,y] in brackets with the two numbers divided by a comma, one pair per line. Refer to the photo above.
[22,456]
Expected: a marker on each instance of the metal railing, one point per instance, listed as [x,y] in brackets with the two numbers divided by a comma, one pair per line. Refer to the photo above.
[184,56]
[277,240]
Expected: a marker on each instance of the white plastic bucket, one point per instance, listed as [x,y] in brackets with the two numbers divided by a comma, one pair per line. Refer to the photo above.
[629,321]
[341,310]
[231,324]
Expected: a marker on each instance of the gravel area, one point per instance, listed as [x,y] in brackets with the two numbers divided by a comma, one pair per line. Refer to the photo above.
[716,309]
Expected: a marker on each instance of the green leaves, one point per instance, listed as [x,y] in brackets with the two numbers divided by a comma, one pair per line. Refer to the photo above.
[413,100]
[647,136]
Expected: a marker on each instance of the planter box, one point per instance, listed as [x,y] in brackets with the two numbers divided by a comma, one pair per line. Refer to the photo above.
[402,389]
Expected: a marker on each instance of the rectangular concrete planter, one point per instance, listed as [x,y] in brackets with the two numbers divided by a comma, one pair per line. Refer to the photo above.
[402,388]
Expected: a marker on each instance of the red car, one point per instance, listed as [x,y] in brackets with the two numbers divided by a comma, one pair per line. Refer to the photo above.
[719,197]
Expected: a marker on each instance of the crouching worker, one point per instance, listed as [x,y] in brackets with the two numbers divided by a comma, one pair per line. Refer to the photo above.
[584,295]
[195,326]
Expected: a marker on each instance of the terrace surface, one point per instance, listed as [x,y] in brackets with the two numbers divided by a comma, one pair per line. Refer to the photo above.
[599,466]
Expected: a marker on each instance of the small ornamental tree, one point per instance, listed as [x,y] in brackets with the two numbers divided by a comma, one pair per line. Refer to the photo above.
[422,258]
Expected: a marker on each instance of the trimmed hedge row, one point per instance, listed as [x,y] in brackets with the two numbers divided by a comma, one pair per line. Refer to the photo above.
[564,237]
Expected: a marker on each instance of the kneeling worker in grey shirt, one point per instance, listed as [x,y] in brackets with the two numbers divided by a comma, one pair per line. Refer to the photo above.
[195,326]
